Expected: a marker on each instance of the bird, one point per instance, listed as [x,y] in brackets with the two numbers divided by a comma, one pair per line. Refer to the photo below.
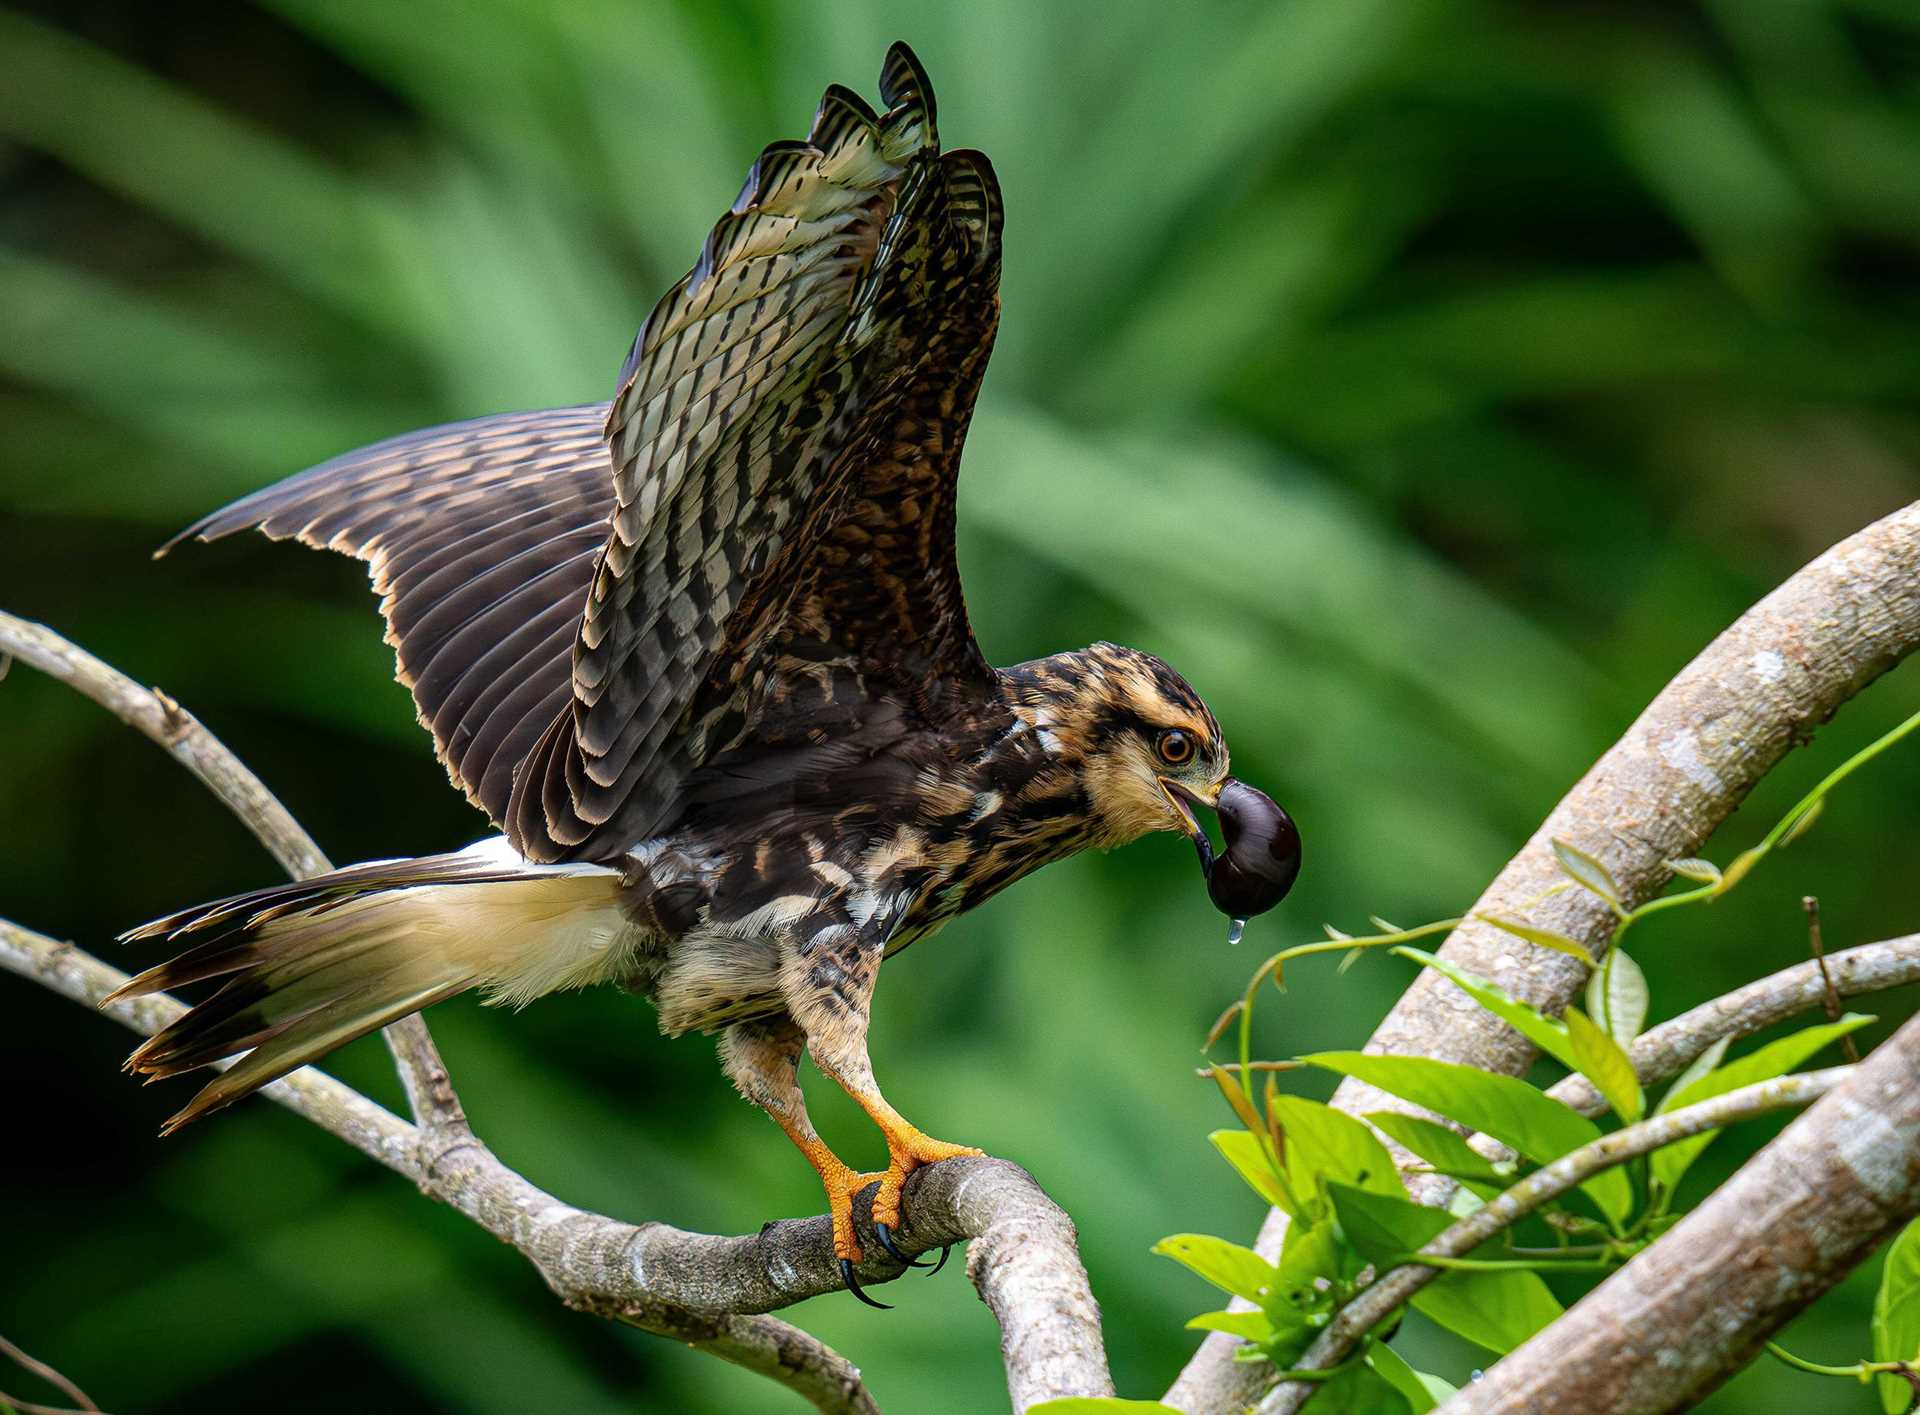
[700,654]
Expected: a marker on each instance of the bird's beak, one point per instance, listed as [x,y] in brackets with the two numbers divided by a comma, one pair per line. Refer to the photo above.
[1183,799]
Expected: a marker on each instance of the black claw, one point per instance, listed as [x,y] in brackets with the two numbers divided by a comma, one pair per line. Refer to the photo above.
[885,1235]
[853,1286]
[943,1259]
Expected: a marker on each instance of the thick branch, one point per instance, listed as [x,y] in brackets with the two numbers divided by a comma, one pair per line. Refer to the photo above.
[1784,667]
[1838,1182]
[1549,1182]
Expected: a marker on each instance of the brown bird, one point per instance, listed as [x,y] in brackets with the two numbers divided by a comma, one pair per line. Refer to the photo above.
[701,655]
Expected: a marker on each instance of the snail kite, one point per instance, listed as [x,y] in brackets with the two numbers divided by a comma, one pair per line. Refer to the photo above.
[701,655]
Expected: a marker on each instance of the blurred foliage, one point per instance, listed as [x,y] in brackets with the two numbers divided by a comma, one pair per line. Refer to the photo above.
[1428,381]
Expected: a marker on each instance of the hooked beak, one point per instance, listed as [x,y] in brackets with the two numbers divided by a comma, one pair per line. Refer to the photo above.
[1183,799]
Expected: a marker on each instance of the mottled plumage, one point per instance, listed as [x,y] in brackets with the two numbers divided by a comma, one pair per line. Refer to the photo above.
[701,654]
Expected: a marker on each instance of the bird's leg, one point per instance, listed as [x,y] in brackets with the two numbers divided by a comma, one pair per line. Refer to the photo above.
[762,1059]
[829,989]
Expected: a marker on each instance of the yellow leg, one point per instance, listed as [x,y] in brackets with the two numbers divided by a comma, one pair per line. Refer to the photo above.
[763,1059]
[908,1148]
[829,989]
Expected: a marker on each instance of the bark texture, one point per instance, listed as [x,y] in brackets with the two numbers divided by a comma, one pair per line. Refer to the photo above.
[1837,1183]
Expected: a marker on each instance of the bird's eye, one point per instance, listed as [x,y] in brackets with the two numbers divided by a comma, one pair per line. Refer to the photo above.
[1175,747]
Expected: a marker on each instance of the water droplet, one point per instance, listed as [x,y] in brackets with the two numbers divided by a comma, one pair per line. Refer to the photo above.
[1236,928]
[1477,1377]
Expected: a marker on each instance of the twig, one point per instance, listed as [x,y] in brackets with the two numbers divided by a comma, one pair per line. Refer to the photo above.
[14,1405]
[1786,665]
[1832,996]
[1666,1050]
[1391,1291]
[1683,1315]
[48,1374]
[160,718]
[180,733]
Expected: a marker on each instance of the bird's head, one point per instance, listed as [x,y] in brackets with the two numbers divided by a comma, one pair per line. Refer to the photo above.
[1147,751]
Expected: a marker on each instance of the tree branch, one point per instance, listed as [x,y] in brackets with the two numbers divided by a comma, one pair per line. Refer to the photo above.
[181,735]
[710,1292]
[1666,1050]
[1785,666]
[457,1169]
[1837,1183]
[1392,1290]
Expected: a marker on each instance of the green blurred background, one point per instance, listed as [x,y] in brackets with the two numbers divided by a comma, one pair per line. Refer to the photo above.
[1428,381]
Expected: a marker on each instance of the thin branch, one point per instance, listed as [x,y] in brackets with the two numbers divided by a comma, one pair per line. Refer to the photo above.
[181,735]
[48,1374]
[1696,1306]
[647,1276]
[1667,1050]
[1785,666]
[1393,1290]
[1832,999]
[159,717]
[14,1405]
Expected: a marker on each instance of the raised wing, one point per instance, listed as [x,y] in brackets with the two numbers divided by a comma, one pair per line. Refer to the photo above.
[784,441]
[480,538]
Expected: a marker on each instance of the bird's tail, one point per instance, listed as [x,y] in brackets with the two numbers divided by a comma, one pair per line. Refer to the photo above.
[310,966]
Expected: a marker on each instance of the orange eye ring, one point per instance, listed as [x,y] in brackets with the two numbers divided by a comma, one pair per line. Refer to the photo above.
[1175,746]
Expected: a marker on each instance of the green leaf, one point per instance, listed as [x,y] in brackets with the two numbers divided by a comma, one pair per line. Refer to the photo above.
[1323,1143]
[1504,1107]
[1896,1316]
[1252,1162]
[1599,1058]
[1442,1147]
[1360,1390]
[1617,996]
[1441,1390]
[1545,938]
[1394,1370]
[1545,1032]
[1228,1266]
[1696,1068]
[1310,1251]
[1497,1310]
[1586,870]
[1384,1229]
[1253,1326]
[1699,871]
[1774,1059]
[1098,1405]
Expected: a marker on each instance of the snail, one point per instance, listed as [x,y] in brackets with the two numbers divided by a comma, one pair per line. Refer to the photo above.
[1261,857]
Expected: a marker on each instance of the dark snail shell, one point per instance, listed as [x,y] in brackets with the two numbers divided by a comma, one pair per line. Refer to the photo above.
[1262,855]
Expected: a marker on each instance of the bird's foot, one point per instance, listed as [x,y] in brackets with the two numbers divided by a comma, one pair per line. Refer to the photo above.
[909,1149]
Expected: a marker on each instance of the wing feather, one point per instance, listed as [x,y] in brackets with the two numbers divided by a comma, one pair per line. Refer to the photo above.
[797,332]
[480,538]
